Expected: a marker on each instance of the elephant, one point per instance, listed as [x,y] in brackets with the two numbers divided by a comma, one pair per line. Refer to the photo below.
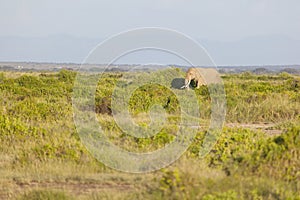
[194,74]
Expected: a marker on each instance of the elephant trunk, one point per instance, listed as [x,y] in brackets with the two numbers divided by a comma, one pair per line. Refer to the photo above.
[187,81]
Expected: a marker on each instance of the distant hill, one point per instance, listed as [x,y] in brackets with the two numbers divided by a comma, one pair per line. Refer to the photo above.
[34,66]
[260,50]
[59,49]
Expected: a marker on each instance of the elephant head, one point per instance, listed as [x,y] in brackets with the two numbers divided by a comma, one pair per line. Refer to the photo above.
[193,74]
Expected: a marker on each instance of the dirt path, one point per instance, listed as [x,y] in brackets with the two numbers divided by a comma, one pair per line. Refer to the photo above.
[75,188]
[267,128]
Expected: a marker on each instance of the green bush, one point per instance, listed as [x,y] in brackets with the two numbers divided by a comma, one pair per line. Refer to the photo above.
[66,75]
[171,185]
[229,195]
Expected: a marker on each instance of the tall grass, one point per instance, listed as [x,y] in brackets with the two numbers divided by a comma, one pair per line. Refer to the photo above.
[39,142]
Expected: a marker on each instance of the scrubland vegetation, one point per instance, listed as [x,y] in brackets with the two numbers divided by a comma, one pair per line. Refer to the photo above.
[256,157]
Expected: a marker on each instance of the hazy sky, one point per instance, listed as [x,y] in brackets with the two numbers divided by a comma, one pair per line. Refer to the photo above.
[222,20]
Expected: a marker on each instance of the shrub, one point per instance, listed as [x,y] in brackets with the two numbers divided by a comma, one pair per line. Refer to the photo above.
[66,75]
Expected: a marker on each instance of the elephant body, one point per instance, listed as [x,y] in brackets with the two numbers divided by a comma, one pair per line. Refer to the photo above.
[194,74]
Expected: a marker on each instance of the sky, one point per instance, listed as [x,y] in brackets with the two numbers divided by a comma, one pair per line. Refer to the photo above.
[213,20]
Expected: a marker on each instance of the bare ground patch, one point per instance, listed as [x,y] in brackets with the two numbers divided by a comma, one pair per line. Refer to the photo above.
[74,188]
[269,128]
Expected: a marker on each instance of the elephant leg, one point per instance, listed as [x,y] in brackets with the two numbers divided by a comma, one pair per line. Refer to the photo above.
[198,84]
